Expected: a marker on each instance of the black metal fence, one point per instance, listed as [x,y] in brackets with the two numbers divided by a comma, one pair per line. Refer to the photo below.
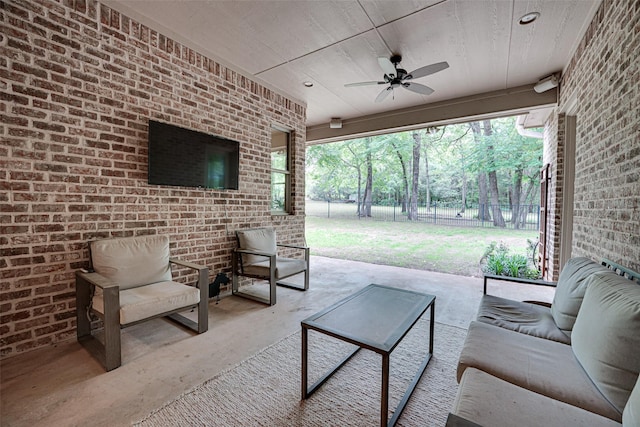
[528,216]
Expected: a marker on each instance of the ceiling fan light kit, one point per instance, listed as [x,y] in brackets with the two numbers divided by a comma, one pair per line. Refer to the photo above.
[394,76]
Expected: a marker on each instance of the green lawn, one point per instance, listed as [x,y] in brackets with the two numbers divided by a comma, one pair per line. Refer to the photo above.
[447,249]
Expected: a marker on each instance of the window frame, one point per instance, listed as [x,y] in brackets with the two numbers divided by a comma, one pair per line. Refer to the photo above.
[286,173]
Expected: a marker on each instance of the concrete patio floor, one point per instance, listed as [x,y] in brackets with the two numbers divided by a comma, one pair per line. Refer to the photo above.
[64,385]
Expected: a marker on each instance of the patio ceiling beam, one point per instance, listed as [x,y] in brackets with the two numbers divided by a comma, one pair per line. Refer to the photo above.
[501,103]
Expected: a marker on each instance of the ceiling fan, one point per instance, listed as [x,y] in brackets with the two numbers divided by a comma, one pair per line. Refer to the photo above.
[395,77]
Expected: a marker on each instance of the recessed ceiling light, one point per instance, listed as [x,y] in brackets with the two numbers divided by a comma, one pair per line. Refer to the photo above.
[308,84]
[529,18]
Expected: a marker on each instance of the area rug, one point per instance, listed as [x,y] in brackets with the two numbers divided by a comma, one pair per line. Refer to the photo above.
[264,390]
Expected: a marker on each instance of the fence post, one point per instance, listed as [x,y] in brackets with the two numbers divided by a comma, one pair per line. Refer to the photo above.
[328,208]
[435,212]
[394,212]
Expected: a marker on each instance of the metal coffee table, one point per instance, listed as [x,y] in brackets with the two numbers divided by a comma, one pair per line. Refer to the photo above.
[376,318]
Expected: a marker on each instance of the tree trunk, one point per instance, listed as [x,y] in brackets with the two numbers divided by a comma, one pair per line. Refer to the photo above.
[427,180]
[413,210]
[498,220]
[359,191]
[484,214]
[405,180]
[516,202]
[368,186]
[464,187]
[524,212]
[483,199]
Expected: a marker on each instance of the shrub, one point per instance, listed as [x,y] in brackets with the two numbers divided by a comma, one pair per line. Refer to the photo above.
[498,261]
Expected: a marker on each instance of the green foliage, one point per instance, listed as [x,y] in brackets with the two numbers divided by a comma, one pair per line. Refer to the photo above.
[497,260]
[450,156]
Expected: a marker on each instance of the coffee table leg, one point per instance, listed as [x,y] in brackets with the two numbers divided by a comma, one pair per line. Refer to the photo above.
[431,325]
[304,362]
[384,399]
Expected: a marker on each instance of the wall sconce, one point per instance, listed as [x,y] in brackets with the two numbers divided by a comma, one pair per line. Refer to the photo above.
[546,84]
[335,123]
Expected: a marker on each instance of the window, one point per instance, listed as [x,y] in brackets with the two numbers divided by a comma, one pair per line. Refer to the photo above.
[280,171]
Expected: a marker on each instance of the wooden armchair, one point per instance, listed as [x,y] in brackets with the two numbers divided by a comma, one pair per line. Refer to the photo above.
[130,282]
[256,257]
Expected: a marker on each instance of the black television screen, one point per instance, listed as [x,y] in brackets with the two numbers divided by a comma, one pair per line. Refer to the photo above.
[187,158]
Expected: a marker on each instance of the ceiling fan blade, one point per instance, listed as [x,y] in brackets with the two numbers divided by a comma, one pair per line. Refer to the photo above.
[428,69]
[364,84]
[418,88]
[387,66]
[382,95]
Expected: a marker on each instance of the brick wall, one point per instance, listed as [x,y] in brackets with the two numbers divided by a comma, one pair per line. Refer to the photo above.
[79,83]
[604,78]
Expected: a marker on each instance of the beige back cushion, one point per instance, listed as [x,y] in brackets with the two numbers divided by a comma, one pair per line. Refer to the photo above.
[606,336]
[258,239]
[570,291]
[631,414]
[132,261]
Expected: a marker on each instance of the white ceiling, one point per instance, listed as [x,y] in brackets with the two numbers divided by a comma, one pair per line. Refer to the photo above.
[330,43]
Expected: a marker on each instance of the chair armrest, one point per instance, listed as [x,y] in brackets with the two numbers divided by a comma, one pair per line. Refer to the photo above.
[517,280]
[292,246]
[187,264]
[252,252]
[303,248]
[95,279]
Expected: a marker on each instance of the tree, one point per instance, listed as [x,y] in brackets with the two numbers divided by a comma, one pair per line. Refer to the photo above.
[498,219]
[483,198]
[366,200]
[415,175]
[396,144]
[415,167]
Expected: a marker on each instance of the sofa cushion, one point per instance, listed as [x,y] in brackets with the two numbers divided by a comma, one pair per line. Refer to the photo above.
[144,302]
[521,317]
[606,335]
[285,267]
[570,290]
[540,365]
[631,414]
[490,401]
[259,240]
[132,261]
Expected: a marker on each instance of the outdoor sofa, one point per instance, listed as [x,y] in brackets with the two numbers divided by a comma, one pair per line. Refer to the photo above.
[514,368]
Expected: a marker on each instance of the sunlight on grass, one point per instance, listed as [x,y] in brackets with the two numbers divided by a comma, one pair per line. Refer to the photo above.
[446,249]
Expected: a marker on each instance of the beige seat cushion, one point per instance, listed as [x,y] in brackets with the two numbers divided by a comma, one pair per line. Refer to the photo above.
[150,300]
[285,267]
[259,240]
[537,364]
[531,319]
[606,335]
[570,291]
[490,401]
[132,261]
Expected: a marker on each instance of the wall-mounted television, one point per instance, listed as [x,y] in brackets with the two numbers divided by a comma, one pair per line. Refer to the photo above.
[187,158]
